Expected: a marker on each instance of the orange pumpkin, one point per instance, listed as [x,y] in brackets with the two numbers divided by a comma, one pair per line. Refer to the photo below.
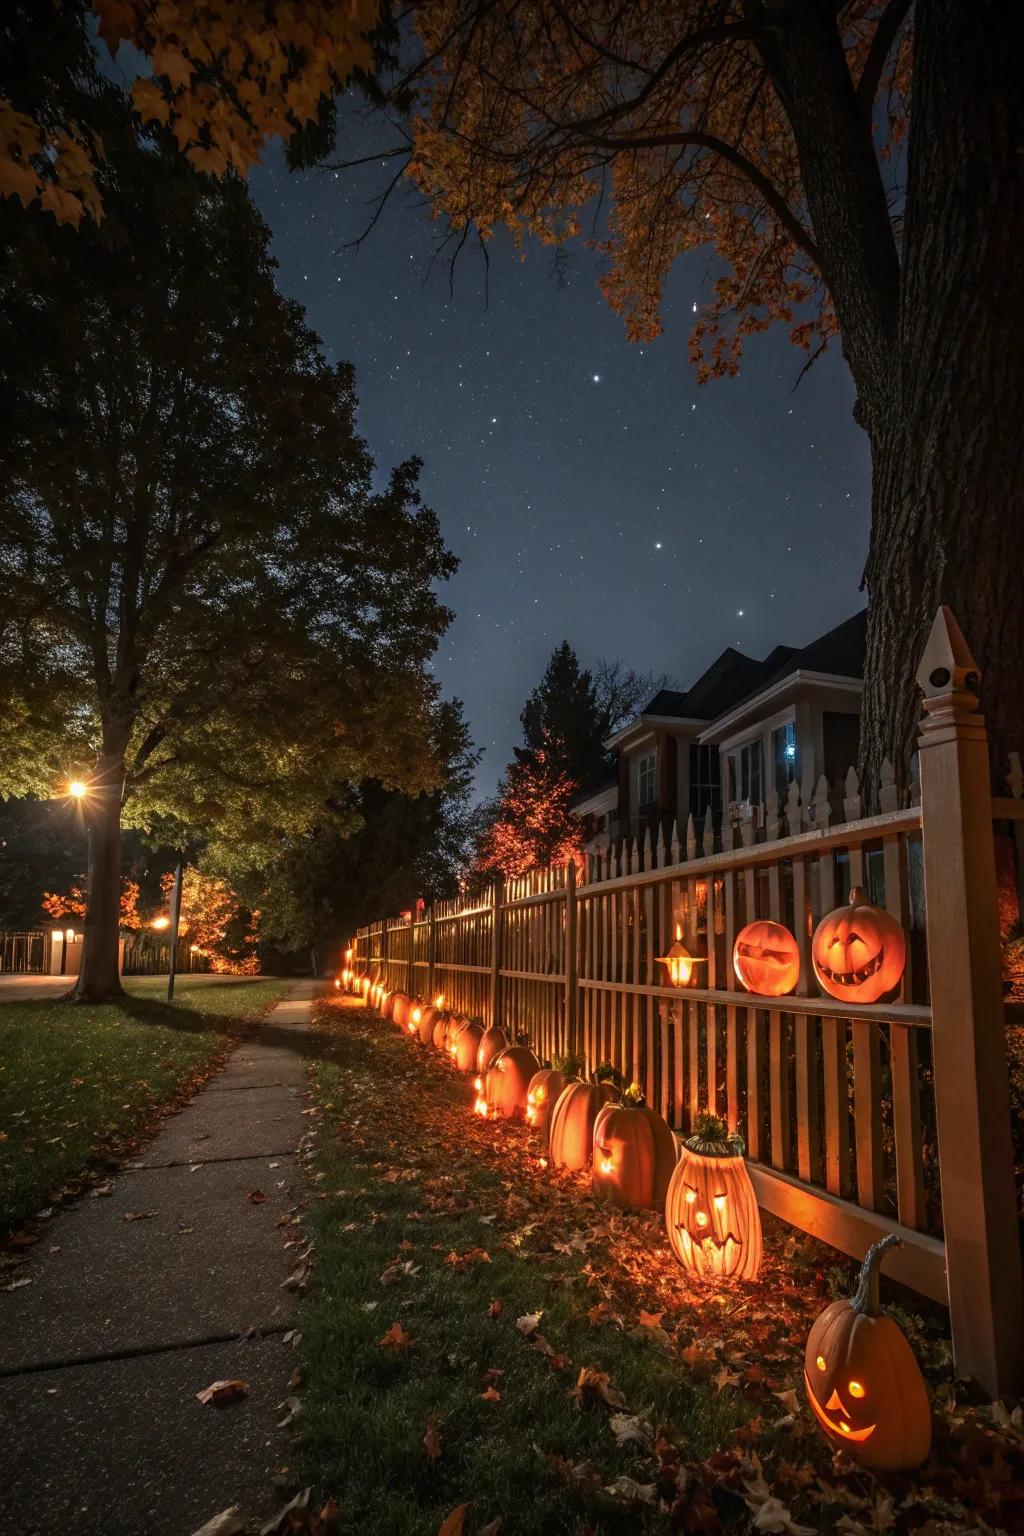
[711,1212]
[492,1041]
[464,1047]
[863,1383]
[507,1080]
[456,1024]
[401,1009]
[859,951]
[571,1132]
[425,1022]
[440,1030]
[541,1096]
[766,959]
[634,1156]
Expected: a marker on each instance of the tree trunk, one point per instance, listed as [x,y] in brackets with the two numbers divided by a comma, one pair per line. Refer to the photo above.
[948,482]
[99,979]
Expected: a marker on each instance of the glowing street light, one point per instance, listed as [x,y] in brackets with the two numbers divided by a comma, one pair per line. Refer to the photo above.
[159,923]
[77,789]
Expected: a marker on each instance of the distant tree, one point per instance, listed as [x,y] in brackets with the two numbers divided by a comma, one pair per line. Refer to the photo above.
[211,615]
[213,922]
[564,719]
[623,691]
[321,885]
[534,825]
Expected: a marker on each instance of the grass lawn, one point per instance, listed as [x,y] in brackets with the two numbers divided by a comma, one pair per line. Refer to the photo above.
[480,1332]
[77,1083]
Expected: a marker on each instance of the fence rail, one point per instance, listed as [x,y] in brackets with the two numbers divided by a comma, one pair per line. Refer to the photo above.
[848,1111]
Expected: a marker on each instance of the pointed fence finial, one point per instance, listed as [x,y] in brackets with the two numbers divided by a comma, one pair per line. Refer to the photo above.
[947,666]
[888,794]
[691,838]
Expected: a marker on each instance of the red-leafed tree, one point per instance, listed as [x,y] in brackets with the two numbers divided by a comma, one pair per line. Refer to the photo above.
[533,825]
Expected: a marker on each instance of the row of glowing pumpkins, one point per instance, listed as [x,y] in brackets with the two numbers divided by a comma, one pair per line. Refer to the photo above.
[859,953]
[863,1382]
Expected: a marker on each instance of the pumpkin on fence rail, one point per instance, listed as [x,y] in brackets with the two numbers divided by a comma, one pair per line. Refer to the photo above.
[859,951]
[571,1131]
[711,1212]
[766,958]
[863,1381]
[635,1153]
[506,1082]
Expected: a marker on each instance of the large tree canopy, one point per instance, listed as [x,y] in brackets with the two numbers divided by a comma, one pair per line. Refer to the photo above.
[210,596]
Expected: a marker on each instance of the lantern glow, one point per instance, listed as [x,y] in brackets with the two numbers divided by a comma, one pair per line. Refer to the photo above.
[679,961]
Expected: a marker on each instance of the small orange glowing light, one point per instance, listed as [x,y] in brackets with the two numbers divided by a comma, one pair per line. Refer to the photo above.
[349,954]
[820,1362]
[702,1218]
[691,1195]
[417,1015]
[478,1084]
[542,1161]
[411,1027]
[606,1165]
[719,1202]
[680,964]
[439,1000]
[337,984]
[856,1390]
[160,923]
[481,1107]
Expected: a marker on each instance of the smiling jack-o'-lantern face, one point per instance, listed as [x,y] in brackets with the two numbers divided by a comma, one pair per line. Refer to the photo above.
[863,1383]
[859,951]
[711,1212]
[766,959]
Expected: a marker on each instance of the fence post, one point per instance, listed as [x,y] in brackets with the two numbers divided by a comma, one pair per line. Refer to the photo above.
[972,1109]
[570,958]
[431,957]
[497,891]
[384,949]
[411,983]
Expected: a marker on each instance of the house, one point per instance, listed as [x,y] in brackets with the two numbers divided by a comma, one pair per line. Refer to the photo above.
[744,727]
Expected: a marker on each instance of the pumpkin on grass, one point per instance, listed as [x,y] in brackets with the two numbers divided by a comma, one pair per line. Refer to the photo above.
[766,958]
[859,951]
[541,1097]
[492,1041]
[456,1024]
[401,1009]
[863,1382]
[634,1153]
[507,1080]
[440,1030]
[465,1046]
[427,1017]
[571,1131]
[711,1212]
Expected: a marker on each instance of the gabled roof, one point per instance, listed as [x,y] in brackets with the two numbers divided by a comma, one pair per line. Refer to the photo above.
[838,653]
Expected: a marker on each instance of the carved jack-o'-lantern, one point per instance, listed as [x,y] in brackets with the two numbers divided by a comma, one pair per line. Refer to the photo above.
[507,1080]
[863,1383]
[634,1154]
[464,1047]
[711,1212]
[492,1041]
[541,1097]
[858,951]
[571,1131]
[766,959]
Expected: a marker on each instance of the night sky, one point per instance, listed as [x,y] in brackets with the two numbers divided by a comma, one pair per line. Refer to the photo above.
[590,488]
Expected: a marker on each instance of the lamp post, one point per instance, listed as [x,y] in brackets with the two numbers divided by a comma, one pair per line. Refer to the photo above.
[175,918]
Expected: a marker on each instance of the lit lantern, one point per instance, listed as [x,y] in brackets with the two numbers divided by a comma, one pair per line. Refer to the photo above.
[507,1080]
[766,958]
[492,1041]
[711,1212]
[859,951]
[863,1382]
[541,1096]
[634,1154]
[679,961]
[571,1130]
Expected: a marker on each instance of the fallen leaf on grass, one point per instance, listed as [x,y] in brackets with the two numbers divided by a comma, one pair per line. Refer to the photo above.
[223,1392]
[629,1427]
[471,1256]
[255,1197]
[650,1319]
[495,1309]
[529,1323]
[397,1338]
[291,1408]
[625,1490]
[16,1285]
[399,1271]
[592,1385]
[139,1215]
[432,1437]
[452,1526]
[230,1522]
[492,1395]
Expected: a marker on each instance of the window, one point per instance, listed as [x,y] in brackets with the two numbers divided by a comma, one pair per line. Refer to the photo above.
[705,788]
[785,757]
[746,773]
[646,779]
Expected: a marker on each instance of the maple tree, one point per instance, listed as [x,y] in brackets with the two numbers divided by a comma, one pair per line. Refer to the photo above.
[59,907]
[533,825]
[212,921]
[783,136]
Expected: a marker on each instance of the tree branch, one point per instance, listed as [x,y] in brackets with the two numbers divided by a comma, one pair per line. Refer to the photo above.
[885,36]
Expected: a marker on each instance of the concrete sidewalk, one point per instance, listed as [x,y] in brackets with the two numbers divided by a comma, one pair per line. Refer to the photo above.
[140,1299]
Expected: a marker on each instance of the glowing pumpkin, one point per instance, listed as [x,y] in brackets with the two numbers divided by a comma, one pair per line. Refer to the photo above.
[634,1154]
[541,1096]
[571,1131]
[425,1022]
[456,1024]
[400,1008]
[766,959]
[464,1047]
[507,1080]
[711,1212]
[863,1383]
[440,1030]
[859,952]
[492,1041]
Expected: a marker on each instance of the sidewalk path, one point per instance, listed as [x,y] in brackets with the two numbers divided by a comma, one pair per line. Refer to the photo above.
[125,1320]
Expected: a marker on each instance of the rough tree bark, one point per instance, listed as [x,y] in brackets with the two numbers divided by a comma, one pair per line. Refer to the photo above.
[99,978]
[934,338]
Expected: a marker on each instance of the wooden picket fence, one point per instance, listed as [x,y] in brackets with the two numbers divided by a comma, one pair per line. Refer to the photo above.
[858,1119]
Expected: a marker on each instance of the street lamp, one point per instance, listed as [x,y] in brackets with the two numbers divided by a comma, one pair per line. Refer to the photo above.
[159,923]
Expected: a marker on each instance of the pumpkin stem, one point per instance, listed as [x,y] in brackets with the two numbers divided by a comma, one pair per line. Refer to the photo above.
[858,897]
[866,1300]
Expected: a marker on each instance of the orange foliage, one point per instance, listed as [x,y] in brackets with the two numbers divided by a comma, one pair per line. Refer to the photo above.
[535,825]
[208,909]
[532,113]
[59,908]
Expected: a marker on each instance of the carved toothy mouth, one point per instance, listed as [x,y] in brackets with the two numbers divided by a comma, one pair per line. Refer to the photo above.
[717,1253]
[852,978]
[841,1429]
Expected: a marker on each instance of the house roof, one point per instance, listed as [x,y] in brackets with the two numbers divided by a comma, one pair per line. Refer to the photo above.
[838,653]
